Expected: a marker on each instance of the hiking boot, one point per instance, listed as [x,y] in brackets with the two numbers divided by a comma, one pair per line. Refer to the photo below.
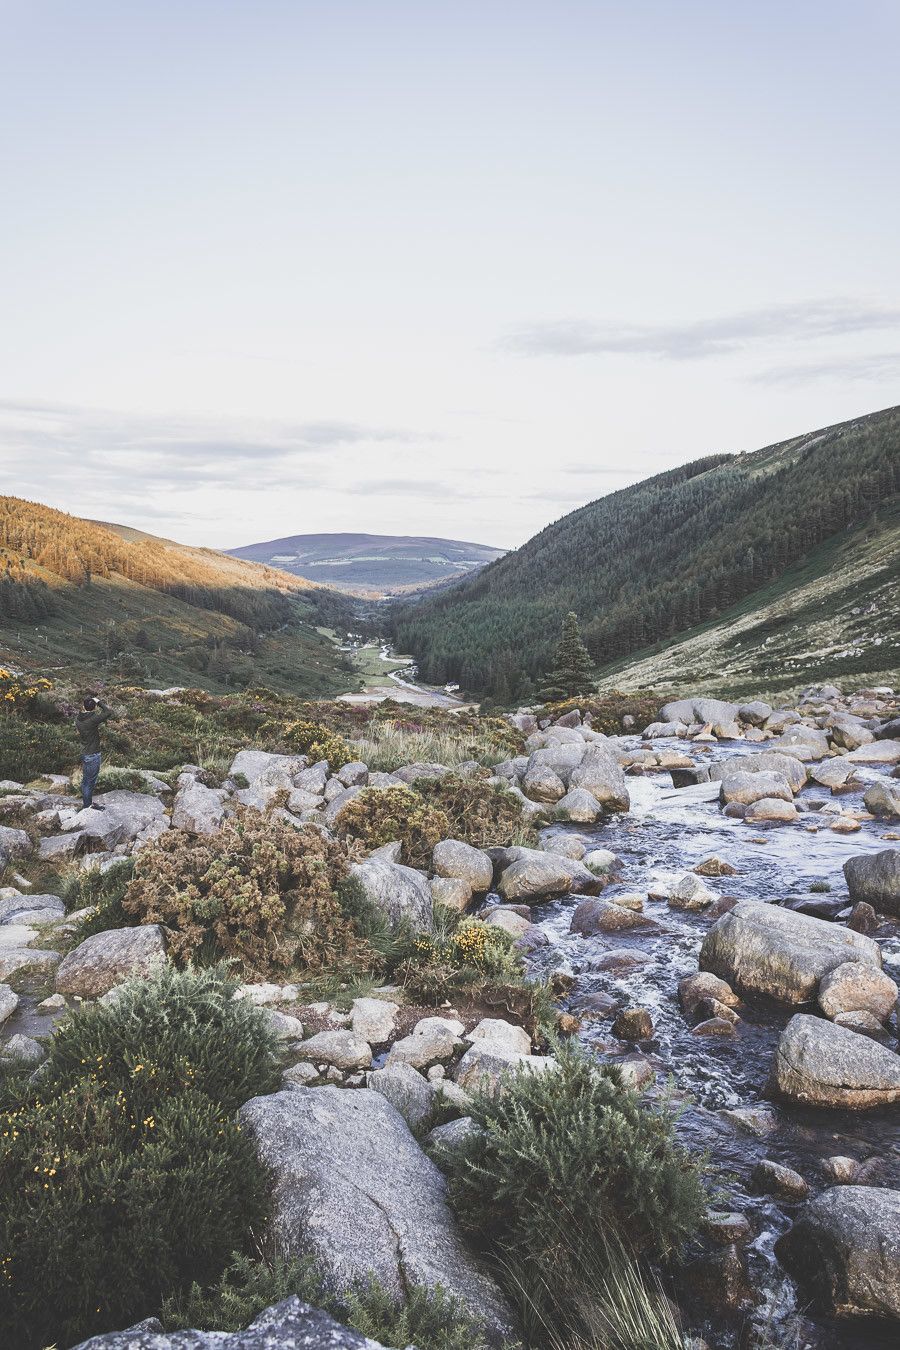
[94,807]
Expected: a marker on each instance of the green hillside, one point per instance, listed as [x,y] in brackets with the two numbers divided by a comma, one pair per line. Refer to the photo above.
[663,558]
[106,601]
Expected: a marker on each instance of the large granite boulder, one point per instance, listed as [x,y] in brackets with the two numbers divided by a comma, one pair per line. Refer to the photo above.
[578,807]
[132,818]
[883,800]
[875,878]
[719,715]
[197,809]
[845,1248]
[820,1064]
[533,874]
[402,893]
[354,1191]
[765,761]
[883,753]
[454,859]
[762,949]
[95,965]
[857,986]
[289,1325]
[748,788]
[600,774]
[13,844]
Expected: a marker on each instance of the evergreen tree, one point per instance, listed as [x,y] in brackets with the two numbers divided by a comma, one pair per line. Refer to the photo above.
[570,675]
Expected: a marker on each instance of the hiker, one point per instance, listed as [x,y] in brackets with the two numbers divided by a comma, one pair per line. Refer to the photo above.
[87,724]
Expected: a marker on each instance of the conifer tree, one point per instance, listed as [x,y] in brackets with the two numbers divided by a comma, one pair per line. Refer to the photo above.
[570,674]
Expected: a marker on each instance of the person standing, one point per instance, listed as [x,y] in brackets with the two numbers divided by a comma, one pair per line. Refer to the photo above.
[87,723]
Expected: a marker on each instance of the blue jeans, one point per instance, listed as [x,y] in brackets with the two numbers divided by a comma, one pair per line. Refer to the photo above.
[90,768]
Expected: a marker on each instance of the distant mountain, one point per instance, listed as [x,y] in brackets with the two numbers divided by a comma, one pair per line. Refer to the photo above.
[371,564]
[110,600]
[647,566]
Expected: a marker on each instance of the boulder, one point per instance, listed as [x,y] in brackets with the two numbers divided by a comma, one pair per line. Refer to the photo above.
[127,818]
[578,807]
[498,1032]
[486,1064]
[453,858]
[774,809]
[374,1019]
[354,774]
[261,765]
[849,732]
[13,844]
[499,916]
[289,1325]
[773,1178]
[659,730]
[354,1192]
[22,1050]
[534,874]
[339,1049]
[9,1001]
[693,989]
[407,1091]
[879,752]
[831,773]
[287,1029]
[752,787]
[26,961]
[857,986]
[605,916]
[411,773]
[845,1247]
[31,909]
[58,847]
[762,949]
[431,1039]
[820,1064]
[197,809]
[691,893]
[452,1135]
[601,861]
[101,961]
[339,802]
[883,800]
[600,773]
[875,879]
[451,892]
[542,784]
[763,761]
[402,893]
[720,715]
[754,714]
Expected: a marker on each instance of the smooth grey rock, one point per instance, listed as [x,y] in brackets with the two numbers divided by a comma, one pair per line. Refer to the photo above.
[24,1049]
[27,908]
[883,800]
[751,787]
[341,1049]
[9,1001]
[597,915]
[289,1325]
[354,774]
[257,765]
[197,809]
[578,807]
[452,892]
[454,859]
[287,1029]
[105,959]
[762,949]
[875,878]
[354,1191]
[763,761]
[407,1091]
[374,1019]
[879,752]
[756,713]
[339,803]
[497,1031]
[13,844]
[845,1247]
[451,1135]
[411,773]
[431,1039]
[402,893]
[26,961]
[820,1064]
[691,893]
[855,987]
[127,818]
[57,847]
[542,784]
[600,773]
[485,1066]
[774,809]
[534,874]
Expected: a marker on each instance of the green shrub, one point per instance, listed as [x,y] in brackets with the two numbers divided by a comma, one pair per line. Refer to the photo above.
[123,780]
[820,887]
[430,1319]
[258,890]
[315,741]
[103,890]
[377,816]
[570,1162]
[28,748]
[607,710]
[123,1174]
[486,815]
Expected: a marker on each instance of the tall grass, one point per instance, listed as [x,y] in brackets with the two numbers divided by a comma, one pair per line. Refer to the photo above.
[385,747]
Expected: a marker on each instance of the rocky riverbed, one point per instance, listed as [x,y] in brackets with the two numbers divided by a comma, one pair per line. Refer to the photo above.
[716,902]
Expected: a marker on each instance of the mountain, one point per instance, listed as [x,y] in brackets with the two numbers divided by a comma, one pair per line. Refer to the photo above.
[371,565]
[107,599]
[726,537]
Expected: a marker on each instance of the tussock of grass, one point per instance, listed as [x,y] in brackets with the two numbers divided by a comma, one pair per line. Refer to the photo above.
[385,747]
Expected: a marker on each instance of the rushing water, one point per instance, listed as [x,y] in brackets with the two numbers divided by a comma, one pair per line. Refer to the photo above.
[666,833]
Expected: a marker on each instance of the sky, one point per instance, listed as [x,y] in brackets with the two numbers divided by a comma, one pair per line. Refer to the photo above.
[433,267]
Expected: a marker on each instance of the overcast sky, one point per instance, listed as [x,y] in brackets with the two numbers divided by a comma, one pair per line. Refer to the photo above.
[433,266]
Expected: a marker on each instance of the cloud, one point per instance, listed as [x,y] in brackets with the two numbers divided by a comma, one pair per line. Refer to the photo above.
[805,321]
[412,487]
[878,366]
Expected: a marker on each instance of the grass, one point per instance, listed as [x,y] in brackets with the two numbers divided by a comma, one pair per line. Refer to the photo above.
[385,747]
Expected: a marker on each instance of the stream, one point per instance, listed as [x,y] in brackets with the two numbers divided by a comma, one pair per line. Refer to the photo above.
[665,834]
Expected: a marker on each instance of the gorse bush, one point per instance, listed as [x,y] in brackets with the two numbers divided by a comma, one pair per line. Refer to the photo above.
[486,815]
[258,890]
[123,1175]
[568,1162]
[316,742]
[378,816]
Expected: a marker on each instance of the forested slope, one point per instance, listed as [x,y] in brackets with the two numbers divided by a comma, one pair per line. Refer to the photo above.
[109,599]
[658,558]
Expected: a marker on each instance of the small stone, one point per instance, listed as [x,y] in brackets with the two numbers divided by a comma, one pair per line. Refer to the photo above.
[299,1075]
[714,1026]
[723,1226]
[840,1170]
[863,918]
[51,1004]
[636,1072]
[760,1121]
[773,1178]
[633,1024]
[691,893]
[864,1023]
[340,1049]
[374,1019]
[23,1049]
[714,867]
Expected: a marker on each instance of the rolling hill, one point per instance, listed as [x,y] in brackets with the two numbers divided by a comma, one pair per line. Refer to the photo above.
[783,543]
[371,565]
[109,600]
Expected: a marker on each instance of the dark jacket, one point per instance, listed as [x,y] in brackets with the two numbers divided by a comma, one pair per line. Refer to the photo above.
[88,724]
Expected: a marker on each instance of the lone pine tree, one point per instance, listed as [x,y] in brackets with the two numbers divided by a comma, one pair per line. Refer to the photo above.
[570,674]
